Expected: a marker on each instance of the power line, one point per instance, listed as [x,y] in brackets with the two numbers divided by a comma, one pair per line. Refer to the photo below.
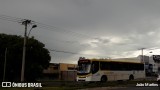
[57,29]
[44,26]
[64,51]
[74,53]
[9,18]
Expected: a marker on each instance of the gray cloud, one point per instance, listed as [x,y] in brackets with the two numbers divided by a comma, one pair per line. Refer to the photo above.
[115,28]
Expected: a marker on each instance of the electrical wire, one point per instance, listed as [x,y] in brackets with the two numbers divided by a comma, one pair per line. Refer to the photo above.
[9,18]
[74,53]
[71,33]
[44,26]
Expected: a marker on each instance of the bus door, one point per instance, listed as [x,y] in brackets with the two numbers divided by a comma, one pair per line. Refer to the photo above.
[95,69]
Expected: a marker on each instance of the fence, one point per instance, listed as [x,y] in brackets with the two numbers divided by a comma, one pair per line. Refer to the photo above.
[68,75]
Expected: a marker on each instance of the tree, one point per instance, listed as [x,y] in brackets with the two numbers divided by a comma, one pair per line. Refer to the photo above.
[37,58]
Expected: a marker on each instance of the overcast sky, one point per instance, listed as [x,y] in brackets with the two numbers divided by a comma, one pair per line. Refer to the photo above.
[92,28]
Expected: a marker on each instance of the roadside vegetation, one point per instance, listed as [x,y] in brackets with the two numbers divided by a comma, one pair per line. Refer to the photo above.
[37,58]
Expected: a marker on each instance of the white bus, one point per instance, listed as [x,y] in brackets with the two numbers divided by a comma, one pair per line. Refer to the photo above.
[108,70]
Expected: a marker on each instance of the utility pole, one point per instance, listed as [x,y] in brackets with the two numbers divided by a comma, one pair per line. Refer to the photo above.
[143,61]
[142,56]
[4,71]
[25,23]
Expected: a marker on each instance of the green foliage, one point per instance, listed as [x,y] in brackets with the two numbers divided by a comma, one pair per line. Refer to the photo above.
[37,57]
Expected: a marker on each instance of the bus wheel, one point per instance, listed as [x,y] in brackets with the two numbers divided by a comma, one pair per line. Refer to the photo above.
[104,78]
[131,77]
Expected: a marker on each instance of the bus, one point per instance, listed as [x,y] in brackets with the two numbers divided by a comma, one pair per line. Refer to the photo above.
[108,70]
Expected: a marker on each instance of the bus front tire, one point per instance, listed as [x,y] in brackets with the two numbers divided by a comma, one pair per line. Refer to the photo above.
[131,77]
[104,78]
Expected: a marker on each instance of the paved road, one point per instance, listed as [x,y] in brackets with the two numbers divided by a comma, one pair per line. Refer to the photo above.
[123,88]
[140,88]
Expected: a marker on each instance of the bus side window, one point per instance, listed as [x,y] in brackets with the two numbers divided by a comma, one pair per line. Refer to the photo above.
[95,66]
[104,66]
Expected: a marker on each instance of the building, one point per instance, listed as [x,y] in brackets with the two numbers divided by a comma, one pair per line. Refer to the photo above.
[152,64]
[60,71]
[52,72]
[155,61]
[67,67]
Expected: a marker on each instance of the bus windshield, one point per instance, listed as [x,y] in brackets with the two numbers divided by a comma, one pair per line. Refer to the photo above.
[84,68]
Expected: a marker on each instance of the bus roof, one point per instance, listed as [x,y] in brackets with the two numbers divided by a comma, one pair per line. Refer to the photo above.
[123,60]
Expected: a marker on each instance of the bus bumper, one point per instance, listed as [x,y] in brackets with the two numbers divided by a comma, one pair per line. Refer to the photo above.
[84,78]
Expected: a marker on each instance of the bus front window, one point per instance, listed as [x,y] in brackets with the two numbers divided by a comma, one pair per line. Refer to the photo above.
[84,68]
